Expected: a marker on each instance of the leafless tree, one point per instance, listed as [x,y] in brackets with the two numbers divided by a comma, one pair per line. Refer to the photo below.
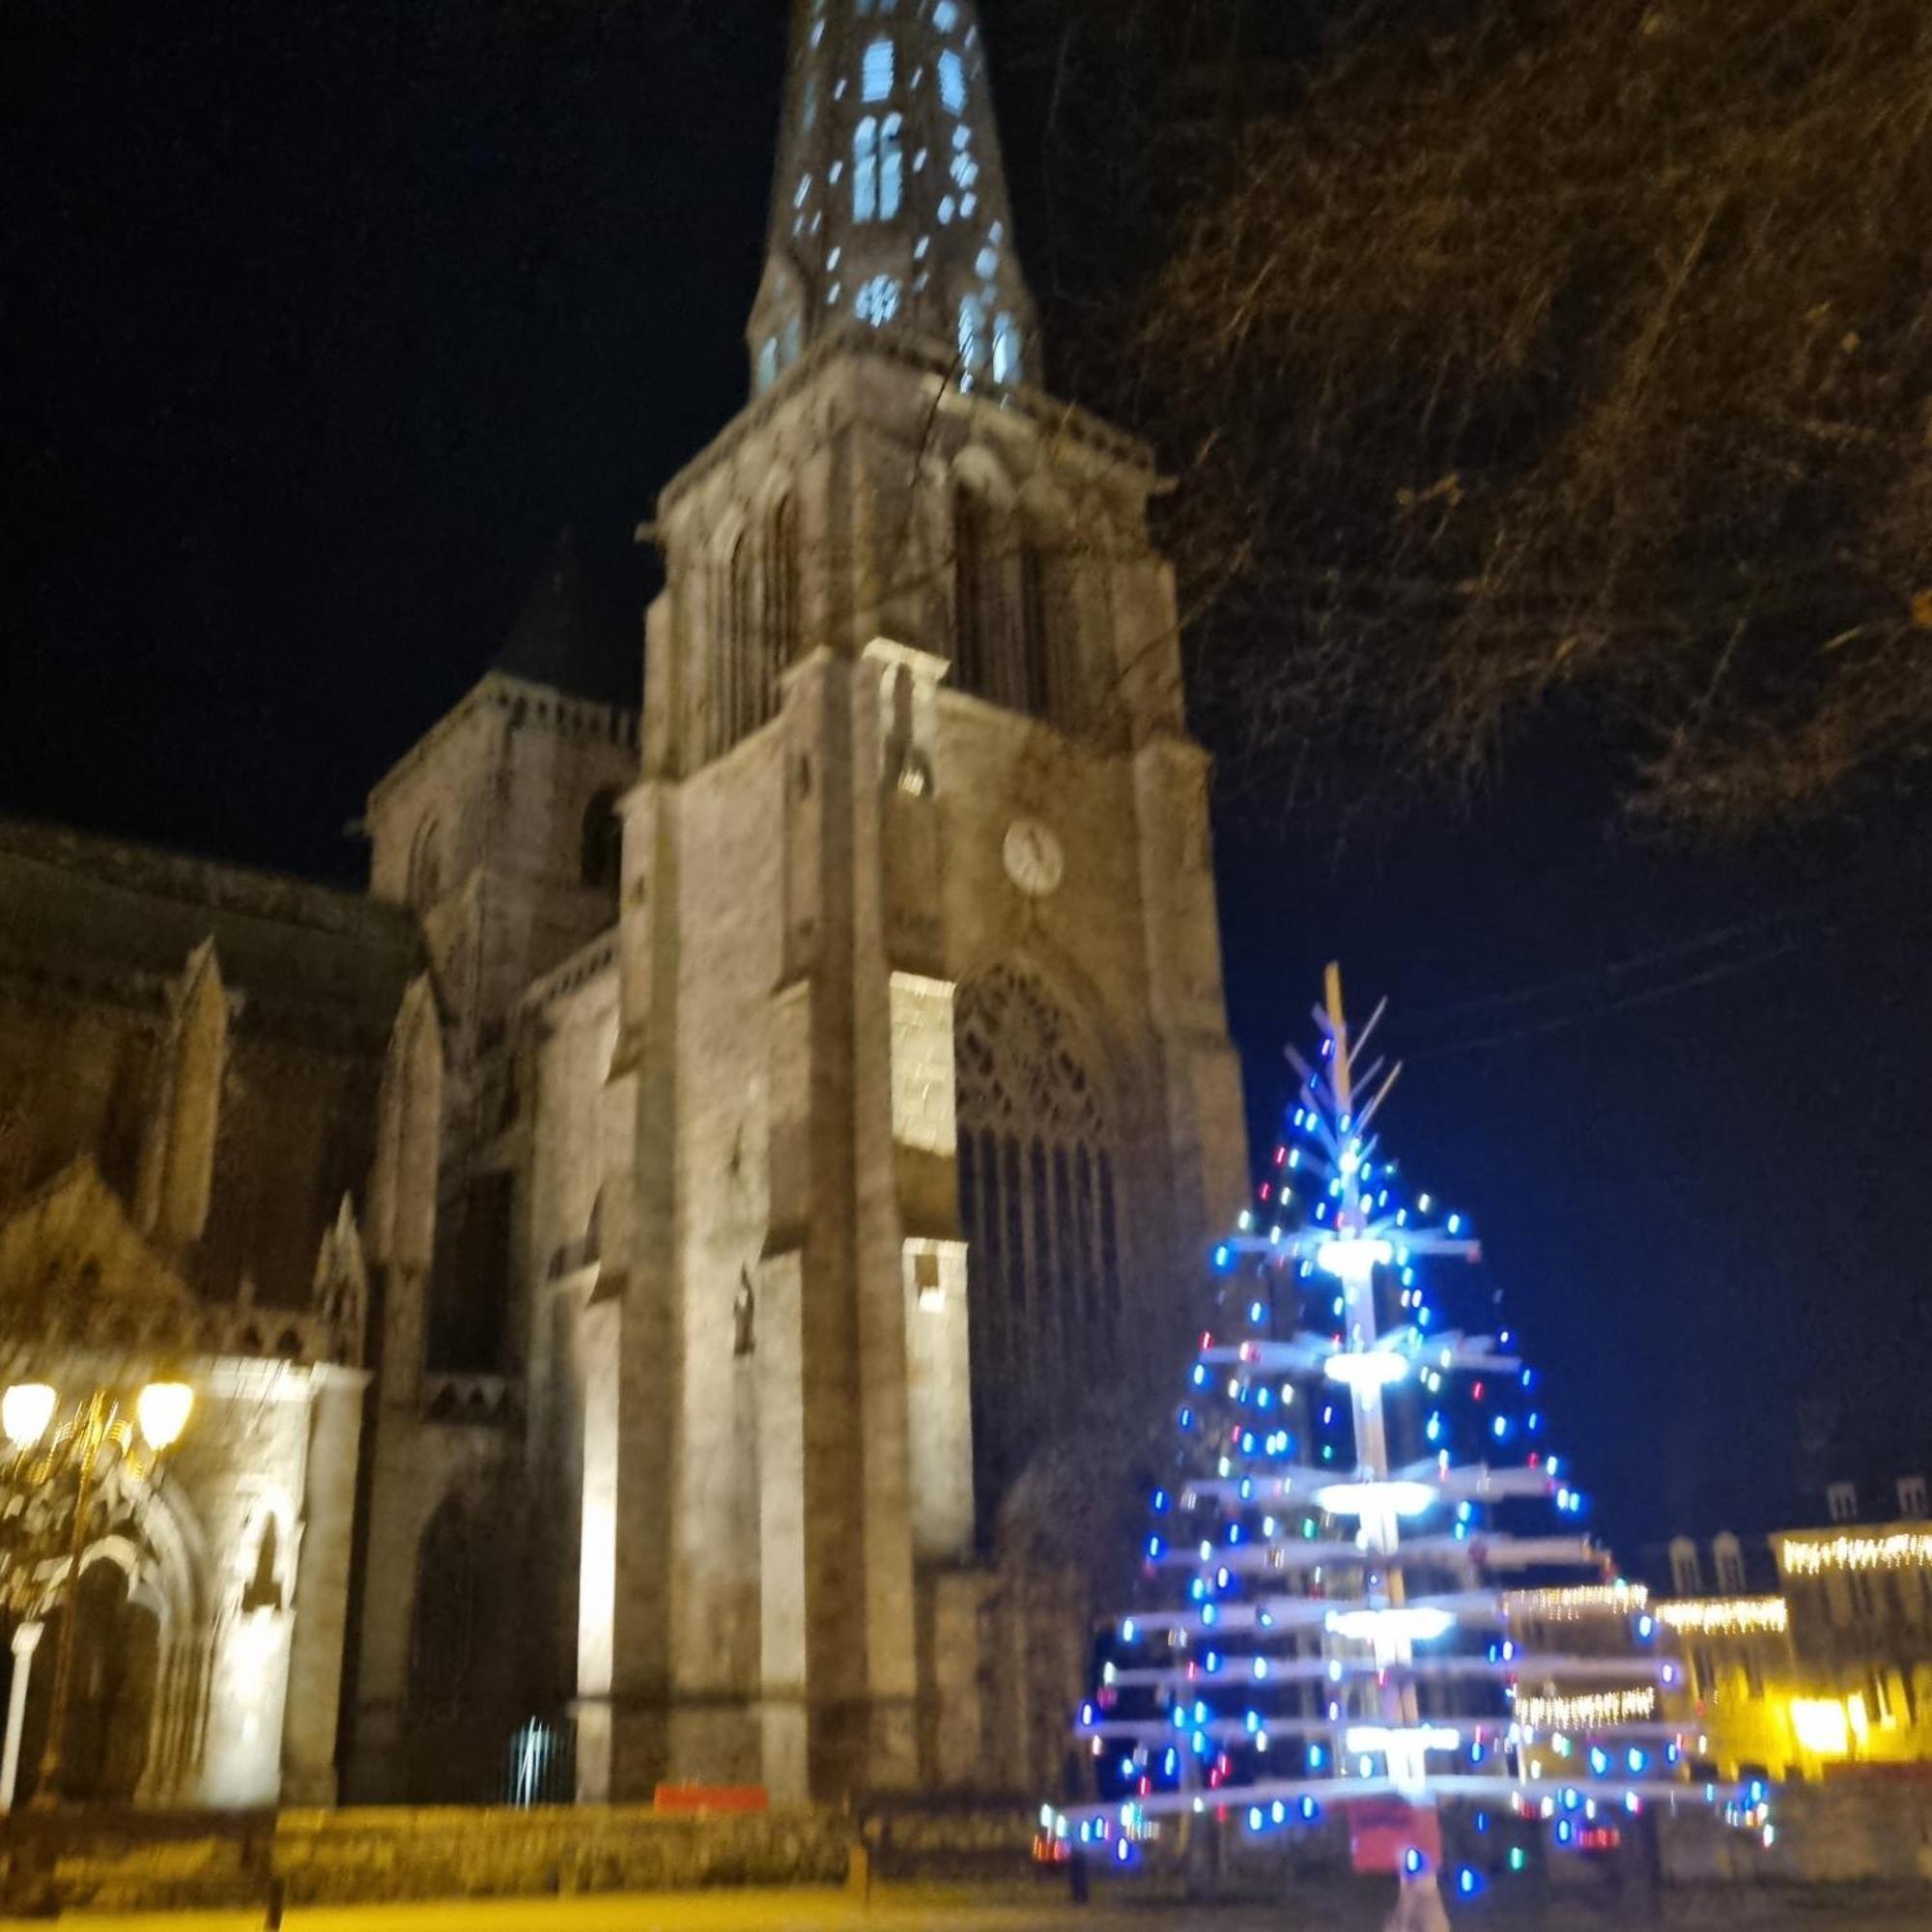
[1516,352]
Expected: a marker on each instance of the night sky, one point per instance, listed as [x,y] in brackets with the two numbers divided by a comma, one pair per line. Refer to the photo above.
[317,323]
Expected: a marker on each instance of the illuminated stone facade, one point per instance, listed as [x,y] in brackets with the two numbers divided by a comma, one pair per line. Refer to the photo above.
[1830,1672]
[189,1064]
[736,1136]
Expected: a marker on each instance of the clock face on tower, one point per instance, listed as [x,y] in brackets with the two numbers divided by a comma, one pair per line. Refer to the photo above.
[1035,860]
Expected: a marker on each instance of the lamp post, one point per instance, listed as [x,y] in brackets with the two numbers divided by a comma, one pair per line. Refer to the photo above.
[102,1423]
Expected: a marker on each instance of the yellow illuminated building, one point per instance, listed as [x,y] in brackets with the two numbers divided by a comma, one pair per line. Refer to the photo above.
[1835,1671]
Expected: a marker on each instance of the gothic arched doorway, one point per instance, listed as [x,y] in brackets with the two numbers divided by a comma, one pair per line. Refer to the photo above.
[1041,1204]
[459,1666]
[111,1693]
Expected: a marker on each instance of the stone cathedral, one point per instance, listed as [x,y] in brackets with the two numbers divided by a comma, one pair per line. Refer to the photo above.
[631,1257]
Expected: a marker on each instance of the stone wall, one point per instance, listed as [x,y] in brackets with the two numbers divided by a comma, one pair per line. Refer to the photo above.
[1858,1829]
[148,1862]
[94,937]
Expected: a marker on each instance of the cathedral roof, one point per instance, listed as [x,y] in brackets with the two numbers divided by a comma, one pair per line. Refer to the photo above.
[116,918]
[562,637]
[890,205]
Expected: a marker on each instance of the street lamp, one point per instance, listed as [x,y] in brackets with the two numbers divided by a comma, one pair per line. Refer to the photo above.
[100,1426]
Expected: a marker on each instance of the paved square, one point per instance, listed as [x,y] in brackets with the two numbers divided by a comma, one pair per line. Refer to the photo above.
[898,1909]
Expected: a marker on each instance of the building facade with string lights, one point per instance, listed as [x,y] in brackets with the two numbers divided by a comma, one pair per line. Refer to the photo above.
[1808,1652]
[737,1129]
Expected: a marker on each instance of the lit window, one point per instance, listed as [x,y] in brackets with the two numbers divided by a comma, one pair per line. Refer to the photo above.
[1728,1554]
[768,362]
[946,17]
[987,264]
[965,171]
[953,82]
[972,332]
[948,208]
[877,300]
[876,71]
[1912,1496]
[1006,350]
[1686,1576]
[892,168]
[1841,1502]
[789,338]
[866,170]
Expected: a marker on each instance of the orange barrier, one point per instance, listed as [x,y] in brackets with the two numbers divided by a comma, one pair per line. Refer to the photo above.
[711,1797]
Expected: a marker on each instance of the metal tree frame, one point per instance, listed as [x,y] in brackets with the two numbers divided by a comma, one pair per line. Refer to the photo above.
[1364,1528]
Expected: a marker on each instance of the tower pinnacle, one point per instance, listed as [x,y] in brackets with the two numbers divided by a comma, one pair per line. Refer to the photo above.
[890,204]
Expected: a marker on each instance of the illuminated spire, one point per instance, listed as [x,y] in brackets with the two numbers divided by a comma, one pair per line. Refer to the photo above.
[890,204]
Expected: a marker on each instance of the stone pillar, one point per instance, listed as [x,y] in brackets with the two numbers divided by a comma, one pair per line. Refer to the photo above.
[402,1242]
[905,910]
[632,1363]
[837,1611]
[602,1342]
[312,1712]
[26,1641]
[1204,1145]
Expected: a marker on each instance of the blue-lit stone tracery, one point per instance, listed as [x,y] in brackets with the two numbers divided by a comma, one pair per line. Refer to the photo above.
[889,179]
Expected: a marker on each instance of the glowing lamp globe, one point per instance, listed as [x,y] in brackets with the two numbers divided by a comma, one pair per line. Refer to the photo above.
[163,1410]
[25,1410]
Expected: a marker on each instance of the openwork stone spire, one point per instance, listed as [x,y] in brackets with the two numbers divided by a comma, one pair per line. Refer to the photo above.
[890,205]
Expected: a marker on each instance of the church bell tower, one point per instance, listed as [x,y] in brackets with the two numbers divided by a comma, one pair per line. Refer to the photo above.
[921,1018]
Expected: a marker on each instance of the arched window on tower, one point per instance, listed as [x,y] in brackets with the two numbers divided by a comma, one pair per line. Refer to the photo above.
[1039,583]
[866,170]
[892,166]
[1039,1204]
[731,605]
[741,632]
[1006,350]
[425,883]
[953,82]
[971,618]
[781,599]
[972,336]
[601,854]
[1012,608]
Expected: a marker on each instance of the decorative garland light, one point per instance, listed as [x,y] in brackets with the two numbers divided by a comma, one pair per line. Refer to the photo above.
[1726,1616]
[1586,1712]
[1581,1599]
[1906,1549]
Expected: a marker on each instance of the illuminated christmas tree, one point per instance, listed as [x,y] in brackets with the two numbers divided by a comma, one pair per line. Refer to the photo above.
[1365,1583]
